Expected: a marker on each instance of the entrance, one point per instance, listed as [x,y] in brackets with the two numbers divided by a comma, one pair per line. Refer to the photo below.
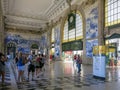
[34,49]
[72,48]
[68,56]
[113,50]
[11,50]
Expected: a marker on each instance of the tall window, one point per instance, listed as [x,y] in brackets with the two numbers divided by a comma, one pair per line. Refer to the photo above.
[112,12]
[53,35]
[76,33]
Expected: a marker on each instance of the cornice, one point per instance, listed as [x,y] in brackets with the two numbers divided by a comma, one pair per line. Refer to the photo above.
[19,30]
[56,9]
[24,22]
[24,28]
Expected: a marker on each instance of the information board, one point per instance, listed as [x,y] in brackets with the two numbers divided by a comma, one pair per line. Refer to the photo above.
[99,62]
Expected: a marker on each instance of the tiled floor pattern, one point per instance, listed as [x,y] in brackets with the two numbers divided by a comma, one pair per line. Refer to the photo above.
[61,76]
[63,83]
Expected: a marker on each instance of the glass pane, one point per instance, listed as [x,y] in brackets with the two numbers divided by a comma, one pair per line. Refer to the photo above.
[78,26]
[115,11]
[111,6]
[115,4]
[119,3]
[115,17]
[111,18]
[108,19]
[109,13]
[112,12]
[108,7]
[111,1]
[118,15]
[118,9]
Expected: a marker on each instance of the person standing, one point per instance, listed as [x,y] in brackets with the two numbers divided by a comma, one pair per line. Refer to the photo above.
[2,66]
[79,62]
[37,64]
[31,67]
[21,67]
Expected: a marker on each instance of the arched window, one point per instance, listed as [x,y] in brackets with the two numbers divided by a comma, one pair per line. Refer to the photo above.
[112,12]
[34,46]
[76,33]
[53,35]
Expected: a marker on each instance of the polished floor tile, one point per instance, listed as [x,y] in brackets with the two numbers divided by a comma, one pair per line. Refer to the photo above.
[63,76]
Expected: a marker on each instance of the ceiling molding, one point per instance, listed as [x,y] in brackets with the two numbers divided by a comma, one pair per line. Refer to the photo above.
[18,30]
[24,22]
[58,7]
[23,27]
[20,17]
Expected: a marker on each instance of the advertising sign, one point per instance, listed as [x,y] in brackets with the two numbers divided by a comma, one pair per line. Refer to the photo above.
[99,58]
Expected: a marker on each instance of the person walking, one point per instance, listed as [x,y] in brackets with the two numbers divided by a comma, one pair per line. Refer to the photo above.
[38,64]
[79,62]
[31,67]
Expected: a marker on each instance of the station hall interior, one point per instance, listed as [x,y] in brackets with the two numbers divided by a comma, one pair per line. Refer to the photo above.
[77,43]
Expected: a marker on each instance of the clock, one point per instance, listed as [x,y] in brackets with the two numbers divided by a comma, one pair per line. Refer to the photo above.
[71,19]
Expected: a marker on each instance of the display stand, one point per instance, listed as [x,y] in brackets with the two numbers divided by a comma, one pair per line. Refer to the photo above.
[99,62]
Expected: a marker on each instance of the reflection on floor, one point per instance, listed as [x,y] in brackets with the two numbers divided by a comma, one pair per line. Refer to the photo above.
[62,76]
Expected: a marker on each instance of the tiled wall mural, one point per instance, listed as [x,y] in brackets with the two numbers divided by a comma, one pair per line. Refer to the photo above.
[92,24]
[89,47]
[22,44]
[57,41]
[91,30]
[43,43]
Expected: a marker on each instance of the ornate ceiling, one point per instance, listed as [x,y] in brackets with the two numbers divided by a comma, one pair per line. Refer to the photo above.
[32,14]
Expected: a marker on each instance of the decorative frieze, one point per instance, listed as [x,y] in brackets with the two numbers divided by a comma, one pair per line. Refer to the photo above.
[87,3]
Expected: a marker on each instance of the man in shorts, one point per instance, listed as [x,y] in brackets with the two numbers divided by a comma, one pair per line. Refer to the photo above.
[31,67]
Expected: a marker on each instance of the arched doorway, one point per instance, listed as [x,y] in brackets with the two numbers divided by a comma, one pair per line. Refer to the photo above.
[34,49]
[11,50]
[113,48]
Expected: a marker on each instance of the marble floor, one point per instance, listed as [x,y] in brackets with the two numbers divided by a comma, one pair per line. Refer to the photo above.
[61,75]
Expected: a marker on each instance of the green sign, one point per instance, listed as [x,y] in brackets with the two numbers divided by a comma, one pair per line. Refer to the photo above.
[74,45]
[71,21]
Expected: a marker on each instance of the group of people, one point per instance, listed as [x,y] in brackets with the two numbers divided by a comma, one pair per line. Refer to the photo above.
[77,61]
[32,63]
